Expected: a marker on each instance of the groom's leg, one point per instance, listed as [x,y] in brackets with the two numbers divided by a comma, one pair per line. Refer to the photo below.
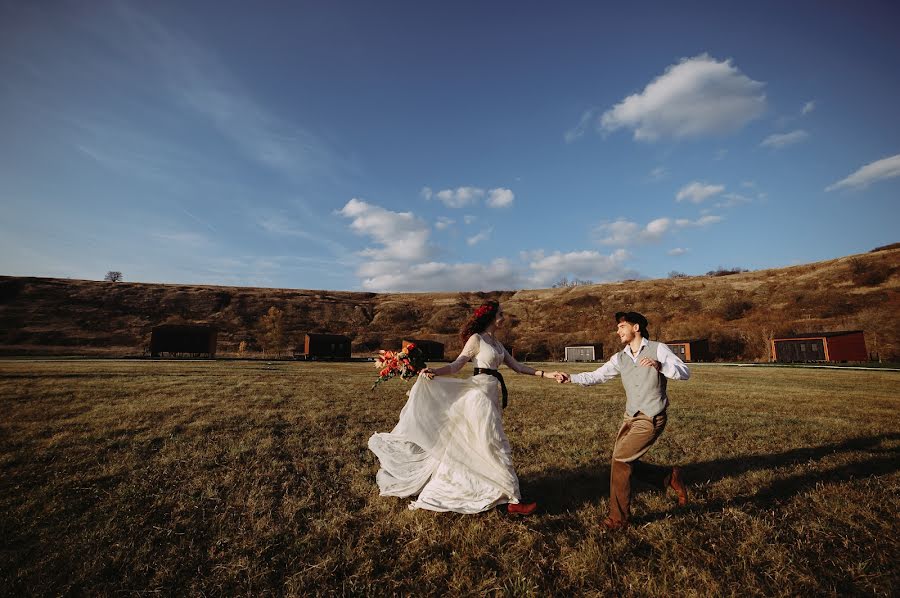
[635,438]
[653,475]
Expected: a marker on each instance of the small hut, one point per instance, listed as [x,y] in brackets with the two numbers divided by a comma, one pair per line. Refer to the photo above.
[844,345]
[316,346]
[586,352]
[690,350]
[431,350]
[183,340]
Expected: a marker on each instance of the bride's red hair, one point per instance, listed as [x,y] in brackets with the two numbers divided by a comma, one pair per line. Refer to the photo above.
[480,319]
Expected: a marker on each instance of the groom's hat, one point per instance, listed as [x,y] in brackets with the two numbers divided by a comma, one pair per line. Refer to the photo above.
[632,317]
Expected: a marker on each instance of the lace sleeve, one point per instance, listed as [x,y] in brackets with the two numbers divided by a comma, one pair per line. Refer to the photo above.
[470,350]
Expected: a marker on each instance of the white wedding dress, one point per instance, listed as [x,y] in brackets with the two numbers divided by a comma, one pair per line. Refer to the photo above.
[449,447]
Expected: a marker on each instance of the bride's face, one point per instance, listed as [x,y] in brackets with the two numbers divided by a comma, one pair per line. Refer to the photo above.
[498,321]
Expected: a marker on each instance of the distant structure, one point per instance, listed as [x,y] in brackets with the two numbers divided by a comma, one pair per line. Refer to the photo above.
[845,345]
[690,350]
[431,350]
[177,340]
[317,346]
[591,352]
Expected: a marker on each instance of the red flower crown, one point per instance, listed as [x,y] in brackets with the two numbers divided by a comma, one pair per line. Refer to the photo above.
[484,310]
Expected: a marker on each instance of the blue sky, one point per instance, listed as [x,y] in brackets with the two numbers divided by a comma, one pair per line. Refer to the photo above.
[443,146]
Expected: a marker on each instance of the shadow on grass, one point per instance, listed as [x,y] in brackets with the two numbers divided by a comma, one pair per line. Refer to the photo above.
[568,490]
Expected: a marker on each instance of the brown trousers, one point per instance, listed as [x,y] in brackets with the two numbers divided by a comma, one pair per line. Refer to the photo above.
[635,438]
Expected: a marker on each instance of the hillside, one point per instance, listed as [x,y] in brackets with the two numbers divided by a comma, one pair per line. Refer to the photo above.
[738,313]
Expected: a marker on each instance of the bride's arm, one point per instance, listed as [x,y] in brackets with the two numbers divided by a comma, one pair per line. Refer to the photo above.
[468,352]
[520,368]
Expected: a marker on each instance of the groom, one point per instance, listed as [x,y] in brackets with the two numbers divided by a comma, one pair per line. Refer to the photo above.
[645,366]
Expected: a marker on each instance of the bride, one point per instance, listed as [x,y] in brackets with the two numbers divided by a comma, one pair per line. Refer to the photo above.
[449,447]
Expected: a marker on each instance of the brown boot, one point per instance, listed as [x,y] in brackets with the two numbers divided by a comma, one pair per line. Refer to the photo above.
[613,524]
[677,484]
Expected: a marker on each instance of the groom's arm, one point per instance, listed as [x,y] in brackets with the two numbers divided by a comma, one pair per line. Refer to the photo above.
[670,365]
[604,373]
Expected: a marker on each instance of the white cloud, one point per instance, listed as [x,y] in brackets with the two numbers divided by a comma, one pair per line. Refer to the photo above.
[469,219]
[695,97]
[732,200]
[625,232]
[459,197]
[443,223]
[581,128]
[401,235]
[677,251]
[482,236]
[808,107]
[592,265]
[699,223]
[500,198]
[426,192]
[659,173]
[438,276]
[779,140]
[880,170]
[697,192]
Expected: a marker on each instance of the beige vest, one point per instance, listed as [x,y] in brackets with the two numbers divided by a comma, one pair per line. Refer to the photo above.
[645,388]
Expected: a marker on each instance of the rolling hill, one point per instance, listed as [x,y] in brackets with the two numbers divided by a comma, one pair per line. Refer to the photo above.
[737,312]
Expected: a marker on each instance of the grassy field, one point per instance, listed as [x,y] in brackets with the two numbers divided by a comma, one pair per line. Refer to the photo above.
[211,478]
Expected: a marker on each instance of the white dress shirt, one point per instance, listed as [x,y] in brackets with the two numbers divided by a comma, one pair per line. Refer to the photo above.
[671,366]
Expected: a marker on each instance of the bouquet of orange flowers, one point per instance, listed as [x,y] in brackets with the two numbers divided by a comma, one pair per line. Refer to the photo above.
[405,364]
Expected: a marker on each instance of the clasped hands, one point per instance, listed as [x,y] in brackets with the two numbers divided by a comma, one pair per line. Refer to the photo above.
[564,378]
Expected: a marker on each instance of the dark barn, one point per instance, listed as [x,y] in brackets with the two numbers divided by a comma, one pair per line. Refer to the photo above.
[324,346]
[690,350]
[845,345]
[584,352]
[183,339]
[431,350]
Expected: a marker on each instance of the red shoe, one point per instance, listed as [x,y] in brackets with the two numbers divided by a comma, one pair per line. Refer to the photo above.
[520,509]
[677,484]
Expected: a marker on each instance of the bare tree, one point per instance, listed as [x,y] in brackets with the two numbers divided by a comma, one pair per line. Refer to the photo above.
[113,276]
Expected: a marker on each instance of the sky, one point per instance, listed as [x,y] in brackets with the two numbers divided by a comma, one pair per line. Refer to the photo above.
[425,146]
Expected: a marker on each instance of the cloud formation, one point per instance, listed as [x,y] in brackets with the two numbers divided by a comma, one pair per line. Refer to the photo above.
[482,236]
[401,235]
[696,97]
[779,140]
[879,170]
[677,251]
[697,192]
[625,232]
[591,265]
[462,197]
[500,198]
[808,107]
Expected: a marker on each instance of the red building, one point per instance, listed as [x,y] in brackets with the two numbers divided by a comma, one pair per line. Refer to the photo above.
[690,350]
[845,345]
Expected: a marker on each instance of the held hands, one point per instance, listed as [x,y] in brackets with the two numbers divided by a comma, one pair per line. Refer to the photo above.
[561,377]
[651,363]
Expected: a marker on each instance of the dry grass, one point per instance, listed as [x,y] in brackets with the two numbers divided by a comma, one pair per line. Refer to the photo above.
[219,478]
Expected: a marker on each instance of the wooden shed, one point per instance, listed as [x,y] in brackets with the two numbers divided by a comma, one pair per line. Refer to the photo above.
[431,350]
[183,339]
[843,345]
[585,352]
[318,346]
[691,349]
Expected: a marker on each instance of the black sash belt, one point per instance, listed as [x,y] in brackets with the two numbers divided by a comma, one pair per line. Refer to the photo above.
[499,377]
